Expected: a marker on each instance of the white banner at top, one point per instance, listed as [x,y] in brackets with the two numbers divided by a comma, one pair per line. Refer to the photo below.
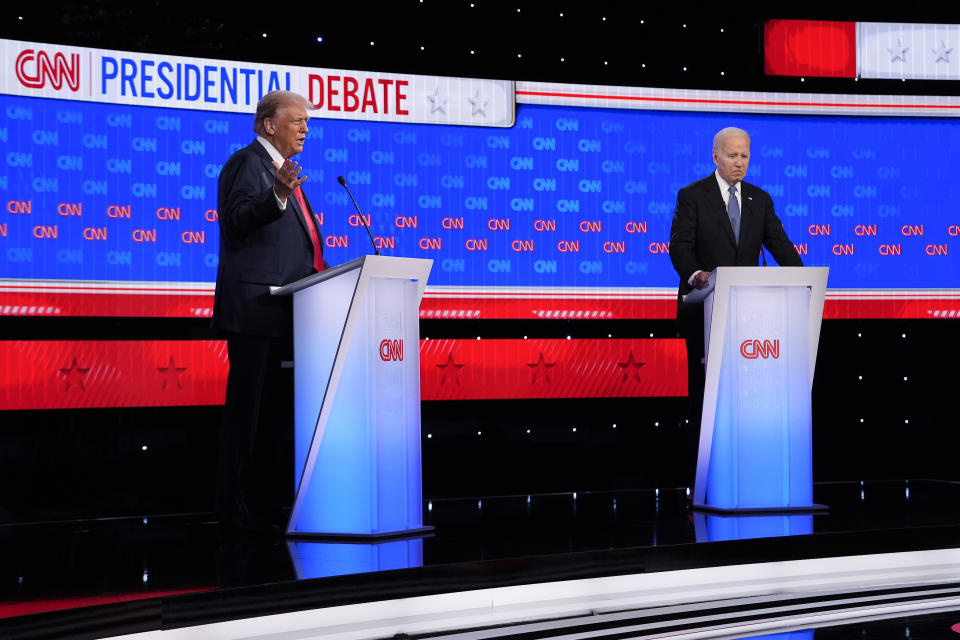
[155,80]
[910,51]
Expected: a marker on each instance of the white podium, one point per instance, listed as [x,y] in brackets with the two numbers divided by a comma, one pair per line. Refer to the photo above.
[356,346]
[761,331]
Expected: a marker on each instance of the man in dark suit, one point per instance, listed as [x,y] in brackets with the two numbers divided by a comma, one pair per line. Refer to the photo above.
[268,236]
[720,221]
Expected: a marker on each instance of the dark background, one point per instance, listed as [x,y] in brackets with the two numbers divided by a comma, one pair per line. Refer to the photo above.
[897,422]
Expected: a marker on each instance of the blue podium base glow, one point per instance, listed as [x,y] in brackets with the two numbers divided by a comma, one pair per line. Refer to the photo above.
[718,528]
[325,559]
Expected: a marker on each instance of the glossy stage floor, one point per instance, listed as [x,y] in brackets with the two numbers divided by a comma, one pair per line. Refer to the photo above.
[881,563]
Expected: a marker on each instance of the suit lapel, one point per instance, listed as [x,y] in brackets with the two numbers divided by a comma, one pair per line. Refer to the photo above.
[748,214]
[716,203]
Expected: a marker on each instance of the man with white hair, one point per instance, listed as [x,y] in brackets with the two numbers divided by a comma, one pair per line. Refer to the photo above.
[269,235]
[720,221]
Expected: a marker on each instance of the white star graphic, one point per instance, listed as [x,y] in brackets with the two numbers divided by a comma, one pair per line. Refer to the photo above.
[437,102]
[899,52]
[479,104]
[942,53]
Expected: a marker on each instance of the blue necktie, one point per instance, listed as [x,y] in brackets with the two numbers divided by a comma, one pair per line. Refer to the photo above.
[733,210]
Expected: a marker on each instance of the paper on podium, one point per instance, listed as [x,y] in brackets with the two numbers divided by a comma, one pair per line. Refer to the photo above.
[698,295]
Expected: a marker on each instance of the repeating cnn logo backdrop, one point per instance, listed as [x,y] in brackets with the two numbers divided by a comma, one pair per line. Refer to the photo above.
[569,197]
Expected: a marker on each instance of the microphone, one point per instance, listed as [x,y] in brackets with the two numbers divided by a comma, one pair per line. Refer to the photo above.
[343,183]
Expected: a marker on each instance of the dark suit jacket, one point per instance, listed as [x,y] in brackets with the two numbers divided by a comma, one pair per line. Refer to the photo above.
[259,246]
[701,237]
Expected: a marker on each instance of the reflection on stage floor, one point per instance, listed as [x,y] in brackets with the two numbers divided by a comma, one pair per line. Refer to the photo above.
[478,542]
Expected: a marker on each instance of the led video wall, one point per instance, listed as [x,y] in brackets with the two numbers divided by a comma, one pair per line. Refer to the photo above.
[114,204]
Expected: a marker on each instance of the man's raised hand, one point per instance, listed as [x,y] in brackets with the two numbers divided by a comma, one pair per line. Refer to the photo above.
[287,178]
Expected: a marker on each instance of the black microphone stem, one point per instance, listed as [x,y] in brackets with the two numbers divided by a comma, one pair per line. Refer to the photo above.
[360,213]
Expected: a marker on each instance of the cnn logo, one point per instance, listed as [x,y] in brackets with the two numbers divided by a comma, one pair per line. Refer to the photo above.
[753,349]
[35,68]
[391,350]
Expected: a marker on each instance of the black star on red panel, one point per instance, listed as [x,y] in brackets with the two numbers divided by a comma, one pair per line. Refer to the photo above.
[450,367]
[171,374]
[631,365]
[75,375]
[541,365]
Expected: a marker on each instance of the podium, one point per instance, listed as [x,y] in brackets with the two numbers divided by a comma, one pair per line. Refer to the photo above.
[356,344]
[761,331]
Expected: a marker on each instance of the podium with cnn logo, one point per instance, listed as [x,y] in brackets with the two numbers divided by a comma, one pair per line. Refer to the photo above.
[761,331]
[357,399]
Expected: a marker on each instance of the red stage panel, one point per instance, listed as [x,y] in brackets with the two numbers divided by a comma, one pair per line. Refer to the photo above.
[46,374]
[812,48]
[548,368]
[53,374]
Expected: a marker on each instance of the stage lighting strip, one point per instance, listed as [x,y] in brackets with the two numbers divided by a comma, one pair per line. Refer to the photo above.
[195,299]
[730,602]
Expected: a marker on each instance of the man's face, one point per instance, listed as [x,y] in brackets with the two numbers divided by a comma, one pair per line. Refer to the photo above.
[287,130]
[732,158]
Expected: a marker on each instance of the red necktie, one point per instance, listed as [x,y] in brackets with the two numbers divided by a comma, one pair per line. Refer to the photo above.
[314,237]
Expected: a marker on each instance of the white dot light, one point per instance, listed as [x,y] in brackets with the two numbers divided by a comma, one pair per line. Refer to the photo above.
[319,38]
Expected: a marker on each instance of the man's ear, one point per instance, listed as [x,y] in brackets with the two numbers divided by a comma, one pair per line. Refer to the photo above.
[268,126]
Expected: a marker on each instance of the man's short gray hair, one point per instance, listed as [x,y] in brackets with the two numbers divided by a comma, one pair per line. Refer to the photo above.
[729,132]
[271,103]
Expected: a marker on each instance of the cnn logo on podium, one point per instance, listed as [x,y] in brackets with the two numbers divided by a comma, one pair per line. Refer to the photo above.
[752,349]
[391,350]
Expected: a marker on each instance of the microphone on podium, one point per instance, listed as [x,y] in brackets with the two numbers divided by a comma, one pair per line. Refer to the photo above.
[363,221]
